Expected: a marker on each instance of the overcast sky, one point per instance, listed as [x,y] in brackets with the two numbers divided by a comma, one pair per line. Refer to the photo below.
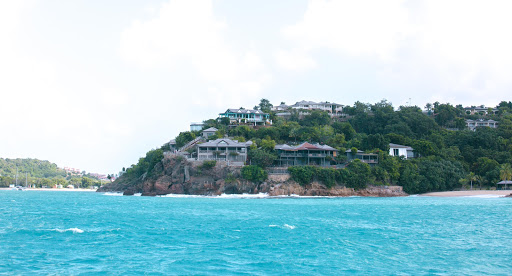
[96,84]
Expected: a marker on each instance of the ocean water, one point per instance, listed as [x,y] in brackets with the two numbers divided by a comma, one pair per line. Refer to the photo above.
[80,233]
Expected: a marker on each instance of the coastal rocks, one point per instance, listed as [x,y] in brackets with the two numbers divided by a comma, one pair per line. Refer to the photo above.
[176,175]
[382,191]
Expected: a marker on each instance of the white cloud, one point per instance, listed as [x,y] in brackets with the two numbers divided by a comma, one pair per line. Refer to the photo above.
[460,48]
[294,60]
[353,27]
[187,33]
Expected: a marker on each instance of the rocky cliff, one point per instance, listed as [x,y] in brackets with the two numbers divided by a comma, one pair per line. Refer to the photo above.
[175,175]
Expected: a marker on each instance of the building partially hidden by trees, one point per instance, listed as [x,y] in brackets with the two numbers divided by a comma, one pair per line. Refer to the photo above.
[473,124]
[371,159]
[305,154]
[223,149]
[405,152]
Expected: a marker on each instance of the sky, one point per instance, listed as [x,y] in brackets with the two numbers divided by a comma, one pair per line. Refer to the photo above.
[94,85]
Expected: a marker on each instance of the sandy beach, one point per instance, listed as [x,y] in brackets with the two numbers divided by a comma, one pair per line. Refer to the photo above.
[470,193]
[53,189]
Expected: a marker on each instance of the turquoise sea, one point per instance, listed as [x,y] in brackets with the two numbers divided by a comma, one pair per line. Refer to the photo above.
[80,233]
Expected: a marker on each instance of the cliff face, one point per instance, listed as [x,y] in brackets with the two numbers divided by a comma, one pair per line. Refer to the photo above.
[174,175]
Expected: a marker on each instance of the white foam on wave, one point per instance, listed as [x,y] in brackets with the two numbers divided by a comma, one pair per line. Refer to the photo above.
[74,230]
[137,194]
[485,196]
[113,194]
[180,196]
[285,226]
[290,226]
[260,195]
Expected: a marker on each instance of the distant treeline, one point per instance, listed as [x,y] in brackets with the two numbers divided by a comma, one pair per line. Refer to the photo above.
[40,173]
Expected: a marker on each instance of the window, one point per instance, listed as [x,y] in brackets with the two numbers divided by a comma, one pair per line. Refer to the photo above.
[395,152]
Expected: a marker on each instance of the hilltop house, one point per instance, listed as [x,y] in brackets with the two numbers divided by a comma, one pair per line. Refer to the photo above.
[369,158]
[400,150]
[223,149]
[332,108]
[248,116]
[196,126]
[473,124]
[207,133]
[305,154]
[482,109]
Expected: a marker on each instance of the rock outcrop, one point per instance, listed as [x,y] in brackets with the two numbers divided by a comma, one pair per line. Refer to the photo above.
[176,175]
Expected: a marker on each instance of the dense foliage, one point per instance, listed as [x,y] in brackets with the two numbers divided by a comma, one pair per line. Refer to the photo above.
[41,173]
[254,173]
[449,152]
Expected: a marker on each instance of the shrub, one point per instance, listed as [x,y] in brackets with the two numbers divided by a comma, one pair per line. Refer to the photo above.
[208,164]
[358,174]
[254,173]
[302,174]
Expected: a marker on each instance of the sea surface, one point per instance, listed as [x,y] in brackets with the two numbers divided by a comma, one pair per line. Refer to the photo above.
[82,233]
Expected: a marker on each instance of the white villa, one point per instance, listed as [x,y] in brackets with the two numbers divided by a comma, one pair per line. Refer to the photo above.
[400,150]
[249,116]
[482,109]
[332,108]
[473,124]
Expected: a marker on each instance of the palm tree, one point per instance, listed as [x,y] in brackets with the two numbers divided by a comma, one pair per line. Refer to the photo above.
[429,108]
[479,179]
[471,177]
[506,172]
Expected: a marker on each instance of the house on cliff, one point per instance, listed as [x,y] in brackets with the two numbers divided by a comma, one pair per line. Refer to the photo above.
[371,159]
[305,154]
[400,150]
[223,149]
[246,116]
[207,133]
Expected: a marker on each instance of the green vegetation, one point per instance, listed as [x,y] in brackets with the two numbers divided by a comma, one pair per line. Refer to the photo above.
[449,153]
[41,173]
[254,173]
[208,164]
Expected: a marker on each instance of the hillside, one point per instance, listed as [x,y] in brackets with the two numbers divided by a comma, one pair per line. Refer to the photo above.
[39,173]
[449,154]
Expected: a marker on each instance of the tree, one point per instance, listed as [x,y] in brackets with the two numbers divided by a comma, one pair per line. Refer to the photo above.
[184,137]
[261,157]
[316,118]
[254,173]
[505,172]
[444,114]
[303,175]
[359,174]
[265,105]
[428,106]
[267,144]
[470,178]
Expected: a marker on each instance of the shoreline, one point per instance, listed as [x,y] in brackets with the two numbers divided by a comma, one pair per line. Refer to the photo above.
[495,193]
[53,189]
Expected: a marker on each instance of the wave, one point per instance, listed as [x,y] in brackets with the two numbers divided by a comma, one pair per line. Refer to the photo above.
[113,194]
[290,226]
[260,195]
[74,230]
[285,226]
[485,196]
